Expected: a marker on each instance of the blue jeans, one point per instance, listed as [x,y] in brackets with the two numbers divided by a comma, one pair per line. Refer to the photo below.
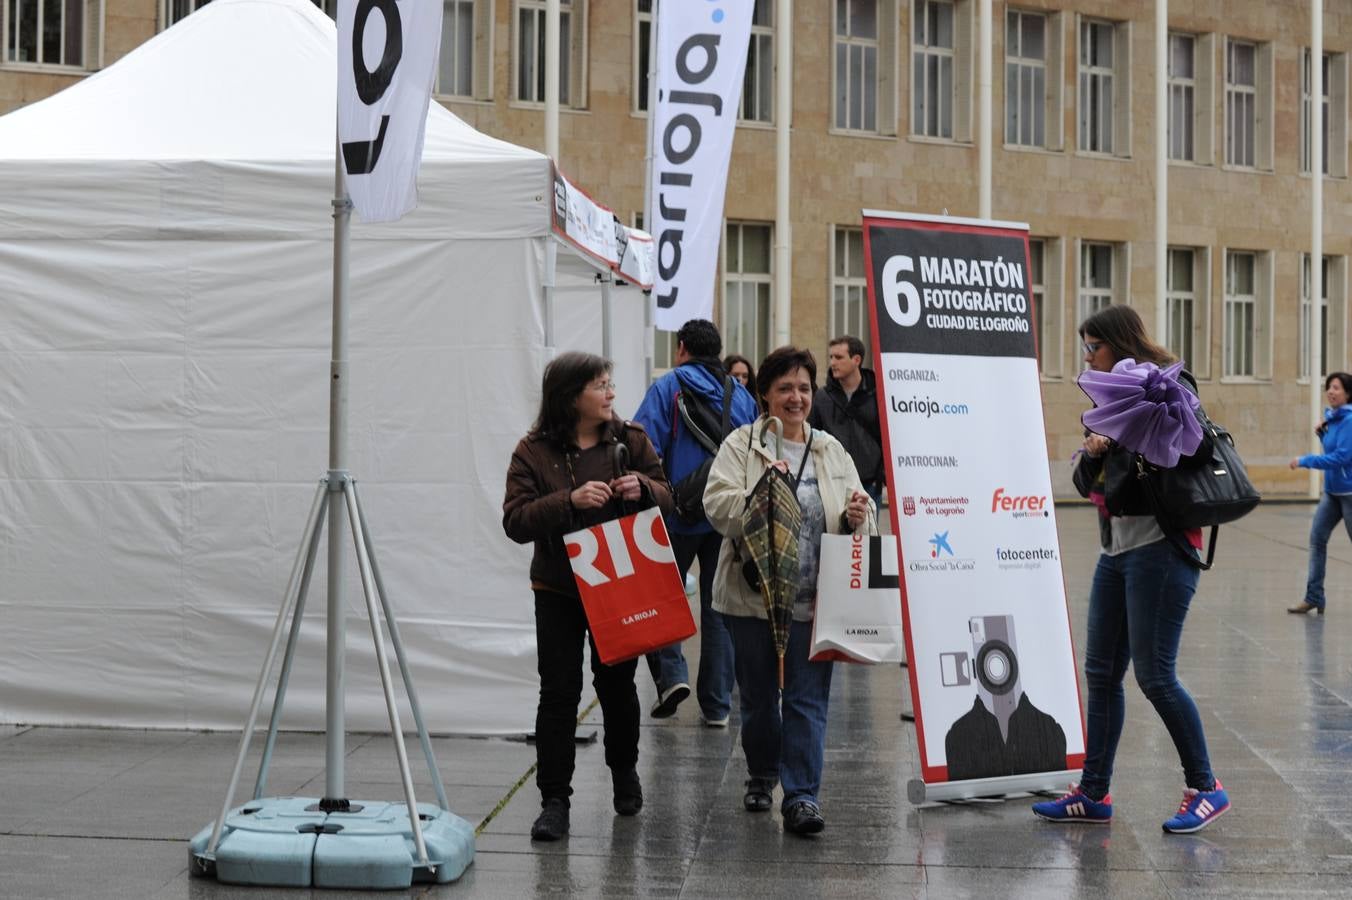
[784,738]
[668,665]
[1327,514]
[1137,605]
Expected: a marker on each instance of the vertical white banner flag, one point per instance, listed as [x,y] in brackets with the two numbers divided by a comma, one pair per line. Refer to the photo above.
[387,55]
[701,55]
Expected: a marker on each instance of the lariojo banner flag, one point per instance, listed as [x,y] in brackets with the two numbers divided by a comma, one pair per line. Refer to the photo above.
[387,55]
[992,667]
[701,55]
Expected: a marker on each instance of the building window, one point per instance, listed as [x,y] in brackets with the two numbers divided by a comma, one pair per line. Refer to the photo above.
[1096,278]
[1182,97]
[1187,276]
[1180,304]
[1332,304]
[1241,104]
[464,67]
[1248,104]
[1026,78]
[746,290]
[49,32]
[1105,98]
[1334,108]
[1044,287]
[933,60]
[758,81]
[643,29]
[1241,307]
[1246,346]
[171,11]
[528,71]
[849,288]
[857,65]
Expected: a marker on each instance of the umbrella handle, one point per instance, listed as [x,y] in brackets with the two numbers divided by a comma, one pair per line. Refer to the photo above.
[781,671]
[620,457]
[779,434]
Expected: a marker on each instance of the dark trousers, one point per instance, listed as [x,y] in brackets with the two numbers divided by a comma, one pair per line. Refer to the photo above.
[560,632]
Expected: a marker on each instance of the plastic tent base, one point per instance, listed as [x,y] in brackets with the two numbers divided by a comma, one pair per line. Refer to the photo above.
[288,842]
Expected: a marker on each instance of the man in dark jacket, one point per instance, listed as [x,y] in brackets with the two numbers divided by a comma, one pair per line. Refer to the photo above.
[846,407]
[698,372]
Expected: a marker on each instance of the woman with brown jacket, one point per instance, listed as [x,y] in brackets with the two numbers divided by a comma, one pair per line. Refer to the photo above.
[579,465]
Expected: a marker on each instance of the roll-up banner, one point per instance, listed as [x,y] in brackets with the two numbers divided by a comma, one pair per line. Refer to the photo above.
[387,55]
[992,667]
[701,55]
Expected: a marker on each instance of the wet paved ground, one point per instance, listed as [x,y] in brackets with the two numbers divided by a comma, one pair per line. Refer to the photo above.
[87,813]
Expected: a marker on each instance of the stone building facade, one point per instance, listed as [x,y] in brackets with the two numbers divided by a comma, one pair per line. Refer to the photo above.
[884,98]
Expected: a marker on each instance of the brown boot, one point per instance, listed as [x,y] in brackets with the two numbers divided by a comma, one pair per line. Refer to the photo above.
[1303,607]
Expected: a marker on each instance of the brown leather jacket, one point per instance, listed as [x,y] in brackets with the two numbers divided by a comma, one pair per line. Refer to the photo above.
[542,475]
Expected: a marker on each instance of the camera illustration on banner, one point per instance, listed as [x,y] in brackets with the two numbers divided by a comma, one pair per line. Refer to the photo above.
[1003,733]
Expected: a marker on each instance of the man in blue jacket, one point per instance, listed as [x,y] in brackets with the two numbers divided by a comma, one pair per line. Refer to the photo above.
[698,372]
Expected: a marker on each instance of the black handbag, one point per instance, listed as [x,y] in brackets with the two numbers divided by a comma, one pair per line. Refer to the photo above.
[1203,493]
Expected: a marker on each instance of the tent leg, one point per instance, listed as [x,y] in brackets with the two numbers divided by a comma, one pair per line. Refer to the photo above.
[402,658]
[293,641]
[383,665]
[288,602]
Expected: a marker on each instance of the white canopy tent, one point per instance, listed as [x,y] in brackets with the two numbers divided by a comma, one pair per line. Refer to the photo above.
[165,289]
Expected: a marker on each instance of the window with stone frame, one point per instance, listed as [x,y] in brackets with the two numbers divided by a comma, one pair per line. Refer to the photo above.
[747,282]
[57,33]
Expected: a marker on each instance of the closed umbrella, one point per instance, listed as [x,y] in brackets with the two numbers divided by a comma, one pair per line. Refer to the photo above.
[770,526]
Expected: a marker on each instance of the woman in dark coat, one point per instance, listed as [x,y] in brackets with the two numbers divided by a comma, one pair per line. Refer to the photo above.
[575,468]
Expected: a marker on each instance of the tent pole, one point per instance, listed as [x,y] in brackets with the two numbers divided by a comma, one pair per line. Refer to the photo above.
[607,323]
[552,50]
[335,720]
[783,259]
[649,301]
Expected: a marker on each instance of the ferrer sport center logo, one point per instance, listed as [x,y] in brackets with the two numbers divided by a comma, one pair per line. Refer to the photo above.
[1019,506]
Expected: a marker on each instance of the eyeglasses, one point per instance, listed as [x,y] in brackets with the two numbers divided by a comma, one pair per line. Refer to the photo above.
[1092,347]
[604,387]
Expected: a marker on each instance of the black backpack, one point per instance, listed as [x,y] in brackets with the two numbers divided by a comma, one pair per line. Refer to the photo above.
[708,429]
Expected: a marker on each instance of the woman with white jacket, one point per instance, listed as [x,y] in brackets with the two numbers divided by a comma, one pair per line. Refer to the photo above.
[784,737]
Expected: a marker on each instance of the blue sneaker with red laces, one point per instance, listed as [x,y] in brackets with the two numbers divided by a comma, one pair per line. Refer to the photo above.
[1198,810]
[1076,807]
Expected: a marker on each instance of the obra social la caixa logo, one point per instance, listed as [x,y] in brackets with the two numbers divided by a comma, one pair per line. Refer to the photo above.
[941,557]
[696,62]
[630,556]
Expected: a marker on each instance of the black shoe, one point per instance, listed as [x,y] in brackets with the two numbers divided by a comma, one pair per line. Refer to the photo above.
[628,792]
[757,797]
[552,823]
[804,817]
[668,700]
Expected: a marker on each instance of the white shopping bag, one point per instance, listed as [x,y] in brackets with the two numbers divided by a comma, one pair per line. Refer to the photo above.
[858,601]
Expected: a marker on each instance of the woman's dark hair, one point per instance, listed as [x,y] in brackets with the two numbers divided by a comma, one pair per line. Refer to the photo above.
[1343,378]
[732,360]
[780,363]
[1122,329]
[566,376]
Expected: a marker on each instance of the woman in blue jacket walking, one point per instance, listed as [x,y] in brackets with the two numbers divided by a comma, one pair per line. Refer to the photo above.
[1335,503]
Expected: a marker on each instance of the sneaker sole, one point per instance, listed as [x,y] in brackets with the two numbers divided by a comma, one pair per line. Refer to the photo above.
[1073,820]
[1196,828]
[808,828]
[665,709]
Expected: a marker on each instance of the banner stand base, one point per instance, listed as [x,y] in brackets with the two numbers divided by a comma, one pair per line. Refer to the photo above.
[919,793]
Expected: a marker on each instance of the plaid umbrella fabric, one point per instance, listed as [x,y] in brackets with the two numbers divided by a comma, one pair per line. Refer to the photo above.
[770,524]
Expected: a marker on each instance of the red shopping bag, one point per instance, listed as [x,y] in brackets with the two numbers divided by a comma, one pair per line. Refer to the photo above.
[631,588]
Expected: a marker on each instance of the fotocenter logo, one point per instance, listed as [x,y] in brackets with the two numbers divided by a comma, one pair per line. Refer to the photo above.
[941,558]
[1025,557]
[1019,506]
